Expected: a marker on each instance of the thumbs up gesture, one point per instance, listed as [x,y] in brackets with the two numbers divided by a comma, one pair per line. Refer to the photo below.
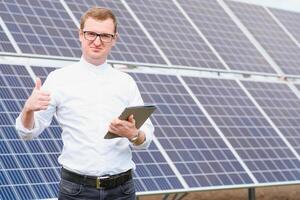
[39,99]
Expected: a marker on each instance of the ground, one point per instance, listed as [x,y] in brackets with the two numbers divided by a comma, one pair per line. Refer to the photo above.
[268,193]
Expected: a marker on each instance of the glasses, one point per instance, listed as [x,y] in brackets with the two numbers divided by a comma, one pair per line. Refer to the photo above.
[104,37]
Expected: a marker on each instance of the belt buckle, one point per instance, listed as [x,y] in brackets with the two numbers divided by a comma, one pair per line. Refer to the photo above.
[98,181]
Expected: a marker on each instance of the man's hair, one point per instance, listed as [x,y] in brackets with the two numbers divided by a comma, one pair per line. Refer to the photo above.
[98,13]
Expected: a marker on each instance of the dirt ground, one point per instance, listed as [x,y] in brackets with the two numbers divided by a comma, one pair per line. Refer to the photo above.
[267,193]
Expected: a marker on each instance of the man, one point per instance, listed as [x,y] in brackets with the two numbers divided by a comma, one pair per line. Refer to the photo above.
[86,98]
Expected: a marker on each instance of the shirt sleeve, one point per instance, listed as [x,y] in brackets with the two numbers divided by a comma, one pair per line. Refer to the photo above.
[42,119]
[147,127]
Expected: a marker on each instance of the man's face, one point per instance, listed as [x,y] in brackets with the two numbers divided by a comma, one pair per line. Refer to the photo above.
[96,51]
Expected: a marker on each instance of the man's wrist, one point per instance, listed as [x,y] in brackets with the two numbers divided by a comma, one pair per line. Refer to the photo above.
[135,138]
[27,109]
[140,139]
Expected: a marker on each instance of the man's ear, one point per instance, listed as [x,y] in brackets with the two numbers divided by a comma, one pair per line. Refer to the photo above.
[80,35]
[115,38]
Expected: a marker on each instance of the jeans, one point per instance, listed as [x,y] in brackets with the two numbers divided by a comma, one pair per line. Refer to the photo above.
[74,191]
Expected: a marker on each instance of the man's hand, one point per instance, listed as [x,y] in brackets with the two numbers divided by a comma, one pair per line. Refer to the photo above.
[38,100]
[124,128]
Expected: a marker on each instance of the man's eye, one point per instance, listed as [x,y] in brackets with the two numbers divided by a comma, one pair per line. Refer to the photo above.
[105,35]
[92,34]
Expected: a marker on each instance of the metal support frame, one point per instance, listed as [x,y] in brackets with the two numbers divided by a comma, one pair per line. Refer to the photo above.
[177,196]
[166,196]
[251,194]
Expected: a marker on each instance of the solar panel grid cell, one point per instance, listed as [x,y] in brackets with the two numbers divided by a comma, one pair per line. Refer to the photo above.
[5,44]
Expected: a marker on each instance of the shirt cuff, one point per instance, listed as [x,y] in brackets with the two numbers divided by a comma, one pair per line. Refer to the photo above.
[146,143]
[24,132]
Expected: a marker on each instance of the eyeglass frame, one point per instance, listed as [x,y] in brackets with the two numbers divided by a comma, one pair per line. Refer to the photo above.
[100,35]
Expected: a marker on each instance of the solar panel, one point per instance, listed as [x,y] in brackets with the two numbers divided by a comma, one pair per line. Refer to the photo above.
[132,45]
[281,105]
[198,152]
[153,173]
[29,168]
[225,36]
[290,20]
[5,45]
[176,37]
[268,33]
[41,27]
[256,142]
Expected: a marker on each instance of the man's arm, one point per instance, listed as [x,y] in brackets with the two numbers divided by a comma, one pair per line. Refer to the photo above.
[38,100]
[140,138]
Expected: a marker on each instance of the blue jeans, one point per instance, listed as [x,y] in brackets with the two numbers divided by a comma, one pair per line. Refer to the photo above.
[74,191]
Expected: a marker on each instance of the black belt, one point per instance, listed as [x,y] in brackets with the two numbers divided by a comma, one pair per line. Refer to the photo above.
[107,182]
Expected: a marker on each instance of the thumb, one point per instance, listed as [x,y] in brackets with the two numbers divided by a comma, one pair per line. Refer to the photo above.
[131,119]
[38,83]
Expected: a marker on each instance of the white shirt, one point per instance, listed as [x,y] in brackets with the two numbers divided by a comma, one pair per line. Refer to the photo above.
[85,98]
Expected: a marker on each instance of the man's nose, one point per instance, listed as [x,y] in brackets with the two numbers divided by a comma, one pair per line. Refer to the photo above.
[98,40]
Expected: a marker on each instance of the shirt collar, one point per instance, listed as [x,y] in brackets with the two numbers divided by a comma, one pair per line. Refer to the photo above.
[94,68]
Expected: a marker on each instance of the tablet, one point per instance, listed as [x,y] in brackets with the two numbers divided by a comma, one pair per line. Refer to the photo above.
[140,114]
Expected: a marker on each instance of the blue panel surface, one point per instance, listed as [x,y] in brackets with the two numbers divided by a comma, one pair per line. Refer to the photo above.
[290,20]
[132,44]
[281,105]
[197,151]
[173,33]
[256,142]
[152,172]
[28,168]
[225,36]
[41,27]
[5,45]
[269,34]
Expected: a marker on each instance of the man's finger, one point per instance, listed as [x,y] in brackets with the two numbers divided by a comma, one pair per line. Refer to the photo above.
[130,118]
[112,129]
[44,103]
[44,108]
[38,83]
[44,93]
[44,98]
